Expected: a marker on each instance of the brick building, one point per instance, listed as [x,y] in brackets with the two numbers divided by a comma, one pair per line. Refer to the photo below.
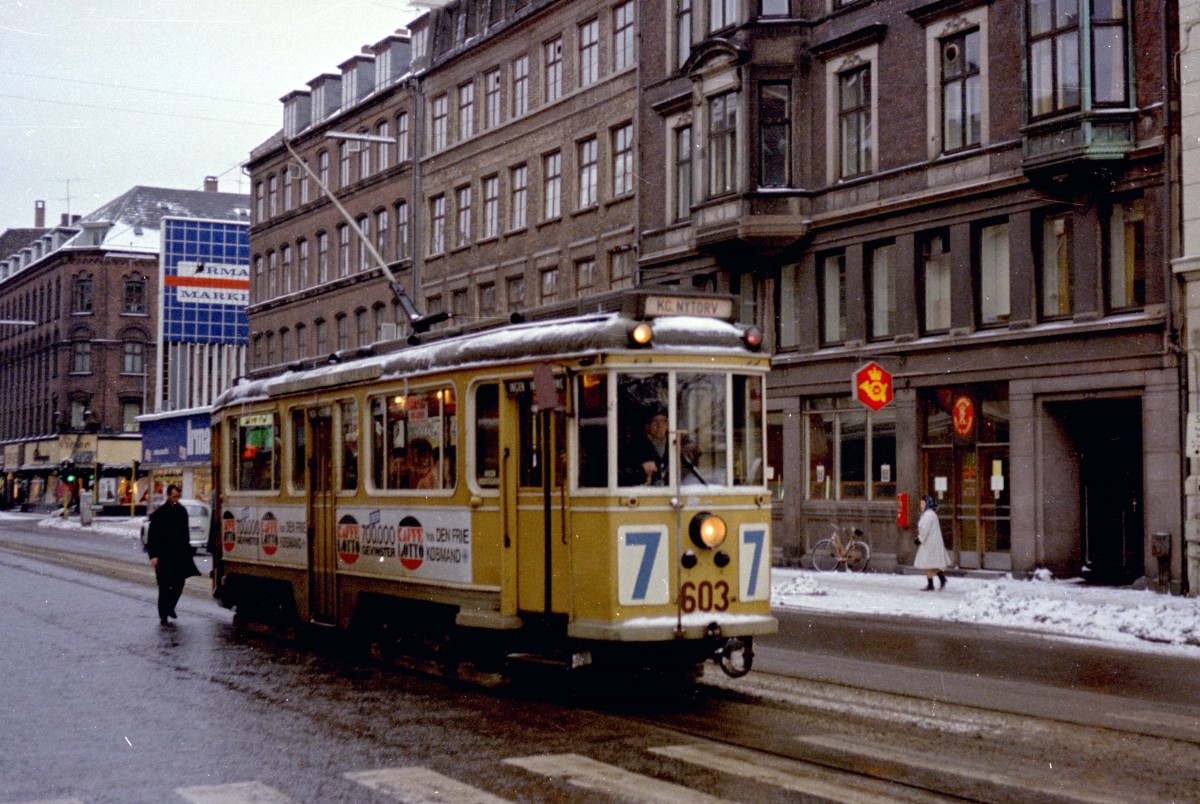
[972,194]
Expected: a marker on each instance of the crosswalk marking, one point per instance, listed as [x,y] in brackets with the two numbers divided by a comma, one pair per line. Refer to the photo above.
[417,785]
[944,769]
[591,774]
[788,774]
[235,793]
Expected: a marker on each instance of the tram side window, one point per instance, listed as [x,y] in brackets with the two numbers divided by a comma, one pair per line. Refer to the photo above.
[487,436]
[642,430]
[748,430]
[413,440]
[703,443]
[349,445]
[256,445]
[298,452]
[593,431]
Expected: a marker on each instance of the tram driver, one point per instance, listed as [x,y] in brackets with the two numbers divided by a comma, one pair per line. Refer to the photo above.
[645,457]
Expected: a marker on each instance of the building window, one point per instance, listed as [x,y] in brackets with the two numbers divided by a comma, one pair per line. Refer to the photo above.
[272,274]
[1126,256]
[1054,75]
[935,282]
[273,194]
[683,31]
[882,290]
[514,289]
[683,172]
[552,186]
[364,156]
[130,410]
[491,207]
[402,149]
[302,277]
[962,121]
[343,332]
[134,300]
[832,281]
[520,79]
[441,117]
[773,8]
[994,287]
[620,269]
[260,203]
[722,143]
[585,274]
[487,299]
[301,341]
[437,224]
[589,53]
[323,169]
[774,134]
[462,236]
[81,357]
[384,148]
[287,188]
[382,234]
[81,295]
[260,287]
[491,98]
[1056,276]
[343,266]
[343,164]
[285,346]
[304,197]
[322,257]
[1110,86]
[322,344]
[402,238]
[466,111]
[622,169]
[589,151]
[552,56]
[623,36]
[854,122]
[721,14]
[363,236]
[518,196]
[285,252]
[549,285]
[850,451]
[362,328]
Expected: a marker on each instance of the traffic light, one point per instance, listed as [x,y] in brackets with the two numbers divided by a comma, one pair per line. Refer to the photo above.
[67,470]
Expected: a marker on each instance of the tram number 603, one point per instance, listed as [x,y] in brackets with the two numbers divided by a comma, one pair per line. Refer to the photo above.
[704,596]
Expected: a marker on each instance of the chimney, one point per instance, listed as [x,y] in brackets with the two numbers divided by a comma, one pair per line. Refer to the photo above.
[39,214]
[210,184]
[65,220]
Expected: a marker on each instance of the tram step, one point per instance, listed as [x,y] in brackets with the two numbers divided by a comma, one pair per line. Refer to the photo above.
[574,661]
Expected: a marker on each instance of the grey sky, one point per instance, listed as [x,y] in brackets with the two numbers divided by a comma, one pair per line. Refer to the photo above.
[99,96]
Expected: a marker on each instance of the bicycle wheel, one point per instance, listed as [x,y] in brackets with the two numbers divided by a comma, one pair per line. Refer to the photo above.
[824,556]
[857,556]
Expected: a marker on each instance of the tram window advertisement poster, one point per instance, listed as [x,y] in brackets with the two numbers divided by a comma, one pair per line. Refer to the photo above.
[433,544]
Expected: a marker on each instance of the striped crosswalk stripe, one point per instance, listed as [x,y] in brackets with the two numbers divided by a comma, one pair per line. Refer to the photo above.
[591,774]
[234,793]
[415,785]
[787,774]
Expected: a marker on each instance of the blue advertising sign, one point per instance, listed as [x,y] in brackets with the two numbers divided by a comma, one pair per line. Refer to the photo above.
[177,439]
[206,281]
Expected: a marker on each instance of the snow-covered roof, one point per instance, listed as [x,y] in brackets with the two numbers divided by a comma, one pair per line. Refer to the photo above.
[133,219]
[577,336]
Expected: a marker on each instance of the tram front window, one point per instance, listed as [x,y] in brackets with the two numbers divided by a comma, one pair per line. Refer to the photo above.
[643,422]
[703,444]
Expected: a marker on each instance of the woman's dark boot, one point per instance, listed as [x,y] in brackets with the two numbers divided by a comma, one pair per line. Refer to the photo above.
[928,585]
[941,580]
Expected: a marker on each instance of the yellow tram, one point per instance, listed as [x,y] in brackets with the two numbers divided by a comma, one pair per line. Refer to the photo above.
[585,489]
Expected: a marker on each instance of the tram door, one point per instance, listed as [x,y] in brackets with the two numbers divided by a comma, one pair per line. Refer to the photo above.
[322,519]
[535,496]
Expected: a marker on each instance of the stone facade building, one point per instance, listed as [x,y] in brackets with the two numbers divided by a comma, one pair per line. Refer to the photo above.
[973,196]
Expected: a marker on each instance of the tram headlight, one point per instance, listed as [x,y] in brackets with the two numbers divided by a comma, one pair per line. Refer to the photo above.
[753,338]
[642,334]
[707,531]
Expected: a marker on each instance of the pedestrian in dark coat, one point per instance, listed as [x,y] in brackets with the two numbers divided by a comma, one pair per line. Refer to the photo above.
[170,552]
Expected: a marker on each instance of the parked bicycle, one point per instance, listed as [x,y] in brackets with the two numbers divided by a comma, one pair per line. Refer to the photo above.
[830,554]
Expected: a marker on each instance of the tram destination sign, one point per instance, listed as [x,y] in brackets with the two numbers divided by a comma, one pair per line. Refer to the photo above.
[689,305]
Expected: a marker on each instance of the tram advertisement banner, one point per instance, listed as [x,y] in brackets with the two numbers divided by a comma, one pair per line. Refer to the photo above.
[431,543]
[274,534]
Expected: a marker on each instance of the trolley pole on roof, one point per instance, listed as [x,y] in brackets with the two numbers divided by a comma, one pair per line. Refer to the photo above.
[419,323]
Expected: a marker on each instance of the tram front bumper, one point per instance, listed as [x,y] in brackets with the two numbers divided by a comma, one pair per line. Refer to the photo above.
[661,629]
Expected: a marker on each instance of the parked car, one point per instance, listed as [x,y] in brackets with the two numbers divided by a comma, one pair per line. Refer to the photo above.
[198,516]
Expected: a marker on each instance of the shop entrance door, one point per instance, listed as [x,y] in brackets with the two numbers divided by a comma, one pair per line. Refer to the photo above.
[1110,474]
[970,485]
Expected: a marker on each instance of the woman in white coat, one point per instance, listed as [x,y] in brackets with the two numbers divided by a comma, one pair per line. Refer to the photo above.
[931,554]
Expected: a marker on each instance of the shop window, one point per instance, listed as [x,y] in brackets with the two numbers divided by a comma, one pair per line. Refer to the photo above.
[851,452]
